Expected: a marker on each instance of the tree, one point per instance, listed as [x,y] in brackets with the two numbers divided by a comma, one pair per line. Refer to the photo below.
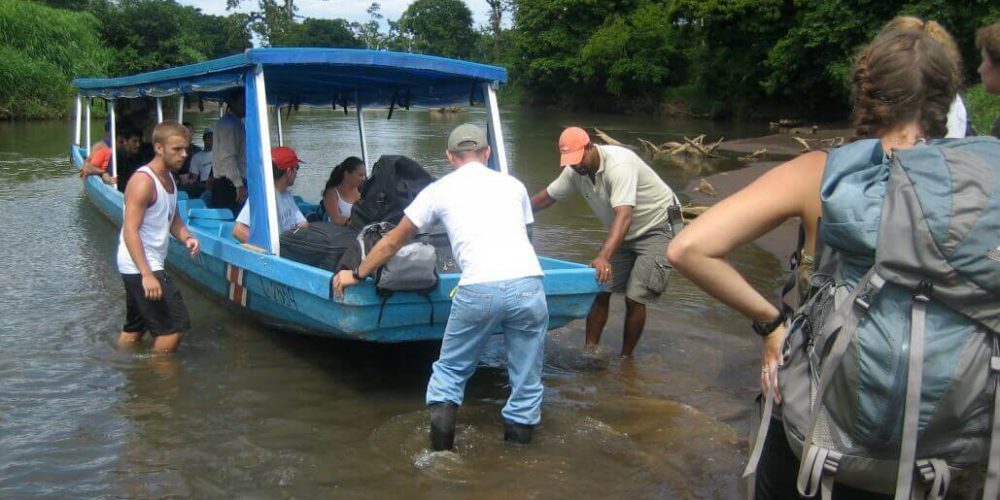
[440,27]
[370,32]
[633,55]
[497,8]
[320,33]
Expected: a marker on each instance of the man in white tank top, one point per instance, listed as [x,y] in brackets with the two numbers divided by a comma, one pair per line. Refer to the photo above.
[486,215]
[153,303]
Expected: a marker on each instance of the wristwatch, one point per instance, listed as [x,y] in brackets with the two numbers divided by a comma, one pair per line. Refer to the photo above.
[764,329]
[356,273]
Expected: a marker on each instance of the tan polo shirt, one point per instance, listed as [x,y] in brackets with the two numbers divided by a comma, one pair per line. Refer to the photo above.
[622,179]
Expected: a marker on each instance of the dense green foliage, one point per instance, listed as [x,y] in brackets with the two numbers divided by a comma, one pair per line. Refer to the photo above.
[746,57]
[983,108]
[441,27]
[778,58]
[40,50]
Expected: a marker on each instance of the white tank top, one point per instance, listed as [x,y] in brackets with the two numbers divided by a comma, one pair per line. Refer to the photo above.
[345,207]
[155,229]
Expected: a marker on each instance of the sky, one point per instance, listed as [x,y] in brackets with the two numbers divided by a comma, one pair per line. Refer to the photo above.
[351,10]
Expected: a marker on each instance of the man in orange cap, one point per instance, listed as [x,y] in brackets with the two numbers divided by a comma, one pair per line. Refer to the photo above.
[631,201]
[284,168]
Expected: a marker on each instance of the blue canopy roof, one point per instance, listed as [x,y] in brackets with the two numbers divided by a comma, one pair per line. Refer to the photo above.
[315,76]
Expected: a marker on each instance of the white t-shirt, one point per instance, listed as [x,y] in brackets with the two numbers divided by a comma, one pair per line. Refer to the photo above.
[484,213]
[201,165]
[957,118]
[289,214]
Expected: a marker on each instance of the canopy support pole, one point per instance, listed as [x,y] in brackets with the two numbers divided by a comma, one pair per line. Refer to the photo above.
[159,110]
[86,126]
[361,131]
[79,120]
[259,178]
[499,157]
[114,142]
[277,121]
[180,108]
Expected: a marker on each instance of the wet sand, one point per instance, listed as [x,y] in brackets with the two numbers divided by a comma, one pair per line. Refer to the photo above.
[780,242]
[783,145]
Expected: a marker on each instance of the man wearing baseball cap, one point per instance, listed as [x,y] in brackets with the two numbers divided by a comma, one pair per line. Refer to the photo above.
[631,201]
[284,167]
[485,214]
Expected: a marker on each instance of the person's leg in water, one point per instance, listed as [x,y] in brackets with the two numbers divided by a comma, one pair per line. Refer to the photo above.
[524,330]
[597,318]
[135,325]
[635,322]
[465,336]
[167,344]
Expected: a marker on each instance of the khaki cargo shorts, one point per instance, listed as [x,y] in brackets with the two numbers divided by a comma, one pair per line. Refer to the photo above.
[639,268]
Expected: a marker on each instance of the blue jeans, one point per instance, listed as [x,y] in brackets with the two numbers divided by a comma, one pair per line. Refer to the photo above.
[515,307]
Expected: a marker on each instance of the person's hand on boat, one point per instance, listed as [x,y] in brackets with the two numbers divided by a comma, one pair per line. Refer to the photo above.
[241,194]
[341,281]
[151,286]
[603,268]
[193,245]
[771,360]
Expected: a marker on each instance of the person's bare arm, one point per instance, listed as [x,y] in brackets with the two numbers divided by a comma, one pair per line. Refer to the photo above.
[616,235]
[330,198]
[699,252]
[541,201]
[180,231]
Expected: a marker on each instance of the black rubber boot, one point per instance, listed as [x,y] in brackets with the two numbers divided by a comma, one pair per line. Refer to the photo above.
[517,433]
[443,425]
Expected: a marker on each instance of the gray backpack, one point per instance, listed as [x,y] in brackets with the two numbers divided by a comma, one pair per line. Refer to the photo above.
[891,368]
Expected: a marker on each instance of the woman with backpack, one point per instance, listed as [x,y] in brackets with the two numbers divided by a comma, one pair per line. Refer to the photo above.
[903,85]
[342,190]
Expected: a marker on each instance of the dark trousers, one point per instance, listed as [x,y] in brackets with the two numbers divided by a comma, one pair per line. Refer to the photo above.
[224,195]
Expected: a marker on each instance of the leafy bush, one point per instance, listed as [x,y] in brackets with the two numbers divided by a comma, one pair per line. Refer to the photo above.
[983,108]
[41,50]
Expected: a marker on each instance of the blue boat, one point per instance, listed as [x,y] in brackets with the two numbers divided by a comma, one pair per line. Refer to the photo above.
[277,291]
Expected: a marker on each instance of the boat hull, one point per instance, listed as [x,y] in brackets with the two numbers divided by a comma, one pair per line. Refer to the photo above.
[295,297]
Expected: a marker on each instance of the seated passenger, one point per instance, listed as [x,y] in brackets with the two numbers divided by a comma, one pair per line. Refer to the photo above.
[99,161]
[195,181]
[105,142]
[342,190]
[284,168]
[192,150]
[132,158]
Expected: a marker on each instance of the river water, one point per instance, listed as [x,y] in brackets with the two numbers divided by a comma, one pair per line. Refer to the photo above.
[245,411]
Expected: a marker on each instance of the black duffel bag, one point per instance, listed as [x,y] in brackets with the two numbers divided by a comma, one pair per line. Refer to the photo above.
[321,244]
[393,184]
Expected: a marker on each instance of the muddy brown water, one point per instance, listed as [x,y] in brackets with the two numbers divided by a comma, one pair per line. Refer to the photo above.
[243,411]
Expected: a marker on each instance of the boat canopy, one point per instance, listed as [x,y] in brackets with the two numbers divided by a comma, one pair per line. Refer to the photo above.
[288,76]
[315,76]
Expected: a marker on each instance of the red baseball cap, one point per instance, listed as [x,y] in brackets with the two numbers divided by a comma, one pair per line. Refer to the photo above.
[285,158]
[571,145]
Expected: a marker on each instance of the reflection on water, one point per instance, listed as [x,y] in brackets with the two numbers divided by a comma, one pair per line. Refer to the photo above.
[244,411]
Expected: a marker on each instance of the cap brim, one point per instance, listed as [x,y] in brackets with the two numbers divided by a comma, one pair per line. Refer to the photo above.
[571,158]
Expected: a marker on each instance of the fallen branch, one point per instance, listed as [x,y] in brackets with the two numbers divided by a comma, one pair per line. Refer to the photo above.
[805,144]
[607,138]
[705,188]
[754,155]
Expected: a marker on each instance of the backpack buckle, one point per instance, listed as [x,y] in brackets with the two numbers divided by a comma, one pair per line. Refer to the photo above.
[923,291]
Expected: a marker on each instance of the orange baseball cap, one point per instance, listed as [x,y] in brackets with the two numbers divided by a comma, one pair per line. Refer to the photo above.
[571,145]
[285,158]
